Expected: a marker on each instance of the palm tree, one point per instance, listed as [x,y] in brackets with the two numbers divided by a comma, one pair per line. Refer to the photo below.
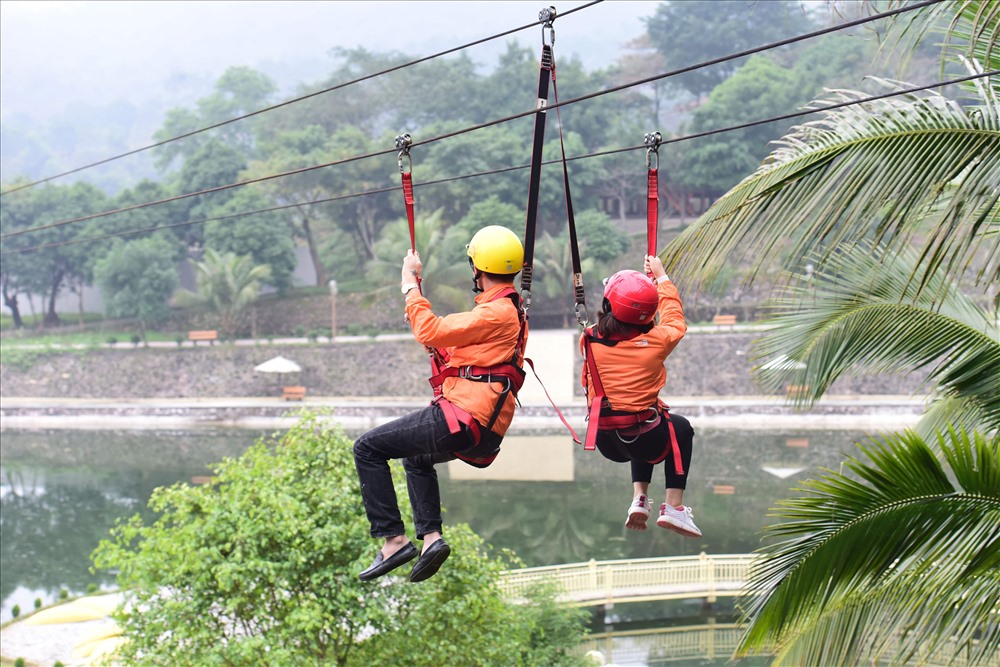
[895,202]
[859,313]
[227,285]
[898,566]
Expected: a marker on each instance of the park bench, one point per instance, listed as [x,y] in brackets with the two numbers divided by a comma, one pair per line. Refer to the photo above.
[293,393]
[211,336]
[724,320]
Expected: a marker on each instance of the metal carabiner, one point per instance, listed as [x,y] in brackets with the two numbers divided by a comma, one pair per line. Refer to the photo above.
[546,17]
[652,141]
[403,143]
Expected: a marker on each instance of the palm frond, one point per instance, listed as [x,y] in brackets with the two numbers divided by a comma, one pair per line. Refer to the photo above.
[895,560]
[861,313]
[912,169]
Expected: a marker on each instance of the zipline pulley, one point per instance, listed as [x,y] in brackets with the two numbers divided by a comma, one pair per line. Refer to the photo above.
[403,143]
[652,141]
[547,17]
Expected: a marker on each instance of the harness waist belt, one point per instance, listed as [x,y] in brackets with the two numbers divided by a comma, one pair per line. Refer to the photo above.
[510,372]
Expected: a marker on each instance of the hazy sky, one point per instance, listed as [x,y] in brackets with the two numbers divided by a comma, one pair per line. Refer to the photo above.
[54,55]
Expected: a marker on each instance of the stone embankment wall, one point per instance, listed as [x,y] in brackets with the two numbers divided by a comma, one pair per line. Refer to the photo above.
[705,364]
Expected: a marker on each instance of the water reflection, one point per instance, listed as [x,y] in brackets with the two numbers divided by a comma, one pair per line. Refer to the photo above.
[62,490]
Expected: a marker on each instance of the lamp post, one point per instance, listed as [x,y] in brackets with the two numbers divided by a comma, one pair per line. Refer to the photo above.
[333,310]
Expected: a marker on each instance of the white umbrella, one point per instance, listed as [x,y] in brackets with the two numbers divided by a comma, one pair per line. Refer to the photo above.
[278,365]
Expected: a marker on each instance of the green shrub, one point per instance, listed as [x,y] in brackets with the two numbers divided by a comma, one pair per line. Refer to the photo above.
[20,662]
[15,611]
[276,546]
[38,603]
[112,341]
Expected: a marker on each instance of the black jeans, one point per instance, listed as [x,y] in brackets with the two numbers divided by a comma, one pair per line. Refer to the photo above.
[650,446]
[421,439]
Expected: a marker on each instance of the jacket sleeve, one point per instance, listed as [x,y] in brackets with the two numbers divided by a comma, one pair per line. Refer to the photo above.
[475,326]
[670,311]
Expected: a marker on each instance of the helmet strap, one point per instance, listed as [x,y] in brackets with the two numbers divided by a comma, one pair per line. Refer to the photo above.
[476,275]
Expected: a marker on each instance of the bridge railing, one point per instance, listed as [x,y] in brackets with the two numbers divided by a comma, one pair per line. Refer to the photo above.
[630,580]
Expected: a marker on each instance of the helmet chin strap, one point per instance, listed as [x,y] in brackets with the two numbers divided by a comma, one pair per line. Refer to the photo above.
[476,275]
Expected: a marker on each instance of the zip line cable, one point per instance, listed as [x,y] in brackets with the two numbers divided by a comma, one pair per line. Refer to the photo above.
[501,170]
[480,126]
[372,75]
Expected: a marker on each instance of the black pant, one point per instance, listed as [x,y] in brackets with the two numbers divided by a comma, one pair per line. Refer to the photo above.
[650,446]
[421,439]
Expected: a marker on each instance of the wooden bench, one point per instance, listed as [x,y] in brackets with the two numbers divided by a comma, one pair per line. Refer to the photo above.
[293,393]
[210,336]
[797,390]
[724,320]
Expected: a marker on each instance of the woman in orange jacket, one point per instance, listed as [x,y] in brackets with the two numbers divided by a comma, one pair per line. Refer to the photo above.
[640,324]
[478,358]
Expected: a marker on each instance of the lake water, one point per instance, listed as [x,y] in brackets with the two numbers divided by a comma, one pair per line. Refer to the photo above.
[550,502]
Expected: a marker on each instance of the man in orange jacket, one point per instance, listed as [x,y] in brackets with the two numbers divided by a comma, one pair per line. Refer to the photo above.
[478,357]
[640,324]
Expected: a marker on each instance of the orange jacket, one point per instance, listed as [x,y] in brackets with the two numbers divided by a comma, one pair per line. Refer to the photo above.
[484,336]
[632,370]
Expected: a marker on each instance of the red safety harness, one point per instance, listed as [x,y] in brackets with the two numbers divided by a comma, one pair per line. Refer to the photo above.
[627,425]
[508,372]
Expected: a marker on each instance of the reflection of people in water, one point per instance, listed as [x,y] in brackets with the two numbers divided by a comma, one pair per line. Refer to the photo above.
[640,323]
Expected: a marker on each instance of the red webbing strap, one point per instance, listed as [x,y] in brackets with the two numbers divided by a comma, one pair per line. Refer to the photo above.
[652,211]
[595,405]
[408,201]
[576,438]
[652,140]
[673,446]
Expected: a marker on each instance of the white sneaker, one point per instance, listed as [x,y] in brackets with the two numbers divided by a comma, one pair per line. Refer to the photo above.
[678,520]
[638,513]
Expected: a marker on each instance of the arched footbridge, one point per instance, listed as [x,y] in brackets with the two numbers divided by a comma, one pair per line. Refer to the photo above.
[637,580]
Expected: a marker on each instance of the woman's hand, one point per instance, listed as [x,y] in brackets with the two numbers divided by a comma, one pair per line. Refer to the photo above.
[654,267]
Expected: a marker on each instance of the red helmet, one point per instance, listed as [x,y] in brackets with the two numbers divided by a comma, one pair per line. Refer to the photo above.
[632,297]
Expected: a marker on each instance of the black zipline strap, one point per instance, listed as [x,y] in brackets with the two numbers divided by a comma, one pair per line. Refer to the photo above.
[652,141]
[579,292]
[535,174]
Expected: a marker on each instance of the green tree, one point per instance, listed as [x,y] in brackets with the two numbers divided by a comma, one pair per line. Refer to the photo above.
[228,284]
[865,316]
[861,176]
[288,151]
[137,278]
[265,237]
[240,90]
[213,165]
[694,31]
[261,568]
[55,262]
[759,89]
[898,563]
[862,172]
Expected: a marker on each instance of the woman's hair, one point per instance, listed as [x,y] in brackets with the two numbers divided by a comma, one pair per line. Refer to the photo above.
[609,326]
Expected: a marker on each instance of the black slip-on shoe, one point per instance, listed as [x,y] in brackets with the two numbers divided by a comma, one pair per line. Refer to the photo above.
[382,565]
[429,561]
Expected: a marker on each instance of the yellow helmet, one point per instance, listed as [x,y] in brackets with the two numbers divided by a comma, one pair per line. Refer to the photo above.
[496,249]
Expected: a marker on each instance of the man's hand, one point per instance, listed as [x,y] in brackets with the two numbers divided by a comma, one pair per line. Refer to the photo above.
[411,267]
